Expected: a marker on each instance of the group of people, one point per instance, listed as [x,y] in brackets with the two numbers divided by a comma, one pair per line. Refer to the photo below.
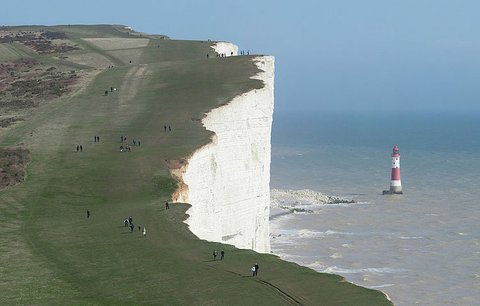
[231,54]
[215,254]
[112,89]
[128,222]
[127,148]
[255,270]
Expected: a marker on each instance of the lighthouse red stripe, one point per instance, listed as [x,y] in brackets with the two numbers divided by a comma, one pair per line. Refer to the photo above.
[395,174]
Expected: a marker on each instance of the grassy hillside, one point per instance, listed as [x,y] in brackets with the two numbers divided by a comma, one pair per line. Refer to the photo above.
[51,253]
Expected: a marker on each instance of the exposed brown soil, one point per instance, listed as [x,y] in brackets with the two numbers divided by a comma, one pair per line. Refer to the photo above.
[13,162]
[40,41]
[26,83]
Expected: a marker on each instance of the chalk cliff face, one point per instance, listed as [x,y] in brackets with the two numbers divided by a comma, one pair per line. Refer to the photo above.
[226,48]
[227,181]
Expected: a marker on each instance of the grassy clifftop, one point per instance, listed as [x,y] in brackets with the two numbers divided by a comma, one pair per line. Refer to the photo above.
[50,253]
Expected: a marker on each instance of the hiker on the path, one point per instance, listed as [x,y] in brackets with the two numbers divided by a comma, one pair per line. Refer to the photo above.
[106,92]
[169,129]
[78,148]
[111,89]
[131,227]
[81,148]
[222,254]
[144,232]
[167,206]
[139,228]
[253,270]
[256,269]
[214,253]
[88,214]
[138,142]
[165,128]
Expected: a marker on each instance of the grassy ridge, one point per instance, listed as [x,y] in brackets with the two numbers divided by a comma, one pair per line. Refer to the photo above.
[52,254]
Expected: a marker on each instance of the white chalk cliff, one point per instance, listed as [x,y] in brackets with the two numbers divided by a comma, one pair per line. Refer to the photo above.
[226,48]
[227,182]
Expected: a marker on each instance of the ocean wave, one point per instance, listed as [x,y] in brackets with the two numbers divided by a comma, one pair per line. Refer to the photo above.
[336,255]
[317,265]
[411,237]
[309,234]
[337,270]
[381,286]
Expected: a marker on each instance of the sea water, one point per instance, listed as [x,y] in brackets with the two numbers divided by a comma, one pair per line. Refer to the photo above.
[422,247]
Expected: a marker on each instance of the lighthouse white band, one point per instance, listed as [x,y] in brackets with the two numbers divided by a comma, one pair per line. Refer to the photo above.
[396,183]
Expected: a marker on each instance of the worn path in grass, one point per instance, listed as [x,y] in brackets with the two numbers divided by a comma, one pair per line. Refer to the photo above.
[51,253]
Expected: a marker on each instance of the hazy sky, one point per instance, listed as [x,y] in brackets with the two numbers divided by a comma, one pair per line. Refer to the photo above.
[332,55]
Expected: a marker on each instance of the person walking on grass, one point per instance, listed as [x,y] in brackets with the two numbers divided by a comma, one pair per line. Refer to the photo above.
[81,148]
[214,253]
[222,254]
[131,227]
[125,222]
[256,269]
[88,214]
[253,270]
[144,233]
[167,206]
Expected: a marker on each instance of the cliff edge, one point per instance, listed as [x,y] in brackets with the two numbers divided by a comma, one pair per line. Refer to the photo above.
[228,180]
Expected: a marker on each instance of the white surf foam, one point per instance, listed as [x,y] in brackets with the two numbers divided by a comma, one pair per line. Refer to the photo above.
[337,270]
[381,286]
[411,237]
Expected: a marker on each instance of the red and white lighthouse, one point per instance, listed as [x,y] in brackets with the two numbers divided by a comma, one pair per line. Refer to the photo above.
[395,183]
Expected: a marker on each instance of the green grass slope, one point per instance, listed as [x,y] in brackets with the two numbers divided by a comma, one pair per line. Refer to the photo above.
[50,253]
